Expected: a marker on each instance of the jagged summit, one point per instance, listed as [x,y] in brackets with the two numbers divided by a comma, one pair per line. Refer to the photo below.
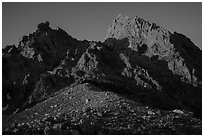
[123,21]
[155,42]
[139,61]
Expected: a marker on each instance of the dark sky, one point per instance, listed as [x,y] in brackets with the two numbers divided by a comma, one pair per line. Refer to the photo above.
[91,20]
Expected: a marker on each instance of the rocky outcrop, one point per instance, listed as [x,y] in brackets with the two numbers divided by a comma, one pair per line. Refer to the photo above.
[153,41]
[138,58]
[168,60]
[25,67]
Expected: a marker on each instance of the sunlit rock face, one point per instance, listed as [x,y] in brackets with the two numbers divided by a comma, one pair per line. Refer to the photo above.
[158,43]
[172,60]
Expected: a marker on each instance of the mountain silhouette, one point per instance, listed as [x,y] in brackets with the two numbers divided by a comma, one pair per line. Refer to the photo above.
[140,68]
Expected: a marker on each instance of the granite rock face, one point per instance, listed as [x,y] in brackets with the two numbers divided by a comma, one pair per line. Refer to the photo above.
[148,39]
[172,61]
[137,58]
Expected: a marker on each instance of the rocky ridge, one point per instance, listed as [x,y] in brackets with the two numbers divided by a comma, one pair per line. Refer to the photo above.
[138,59]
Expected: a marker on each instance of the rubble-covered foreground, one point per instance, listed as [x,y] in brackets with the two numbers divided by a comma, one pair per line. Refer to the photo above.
[86,109]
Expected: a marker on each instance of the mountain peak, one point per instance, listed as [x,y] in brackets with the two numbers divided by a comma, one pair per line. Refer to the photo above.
[124,26]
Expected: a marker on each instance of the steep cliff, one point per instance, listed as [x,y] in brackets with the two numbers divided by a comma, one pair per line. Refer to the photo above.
[172,64]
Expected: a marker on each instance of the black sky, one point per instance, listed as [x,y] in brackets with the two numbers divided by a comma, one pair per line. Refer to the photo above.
[91,20]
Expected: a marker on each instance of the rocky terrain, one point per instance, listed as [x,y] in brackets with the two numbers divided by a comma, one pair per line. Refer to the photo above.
[141,80]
